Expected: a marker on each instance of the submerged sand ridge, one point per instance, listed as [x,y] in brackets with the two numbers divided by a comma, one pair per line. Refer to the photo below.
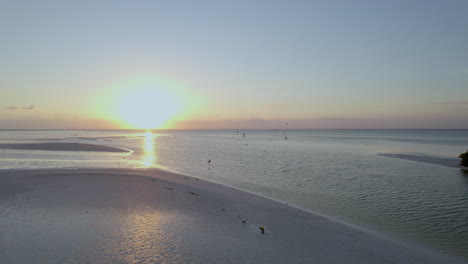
[448,162]
[153,216]
[62,147]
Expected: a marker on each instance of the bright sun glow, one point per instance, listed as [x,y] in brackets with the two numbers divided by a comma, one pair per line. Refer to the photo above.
[147,108]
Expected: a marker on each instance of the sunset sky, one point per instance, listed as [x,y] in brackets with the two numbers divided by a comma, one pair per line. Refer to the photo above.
[233,64]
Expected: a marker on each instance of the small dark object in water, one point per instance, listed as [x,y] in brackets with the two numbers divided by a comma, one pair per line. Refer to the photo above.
[209,161]
[244,134]
[262,229]
[285,138]
[86,211]
[168,188]
[223,209]
[193,193]
[185,177]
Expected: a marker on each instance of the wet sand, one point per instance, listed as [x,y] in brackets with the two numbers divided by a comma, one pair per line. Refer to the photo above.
[154,216]
[63,147]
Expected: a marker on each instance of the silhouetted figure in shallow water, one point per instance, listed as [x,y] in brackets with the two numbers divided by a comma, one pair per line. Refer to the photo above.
[243,135]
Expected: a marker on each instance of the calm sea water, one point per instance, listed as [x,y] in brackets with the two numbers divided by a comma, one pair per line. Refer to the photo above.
[334,172]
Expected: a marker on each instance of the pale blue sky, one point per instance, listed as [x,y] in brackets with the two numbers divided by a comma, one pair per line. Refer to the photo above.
[319,64]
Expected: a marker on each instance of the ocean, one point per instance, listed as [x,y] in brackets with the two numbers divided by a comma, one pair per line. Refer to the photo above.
[401,183]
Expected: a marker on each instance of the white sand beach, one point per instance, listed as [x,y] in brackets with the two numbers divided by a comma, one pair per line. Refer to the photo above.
[154,216]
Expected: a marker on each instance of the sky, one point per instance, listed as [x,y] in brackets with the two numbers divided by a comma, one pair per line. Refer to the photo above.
[233,64]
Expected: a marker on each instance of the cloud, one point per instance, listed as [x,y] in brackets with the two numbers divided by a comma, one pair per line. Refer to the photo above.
[252,123]
[454,103]
[31,107]
[41,123]
[282,106]
[338,119]
[458,110]
[462,71]
[454,106]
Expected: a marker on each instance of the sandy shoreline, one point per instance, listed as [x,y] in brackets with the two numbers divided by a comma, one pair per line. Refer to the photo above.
[154,216]
[62,147]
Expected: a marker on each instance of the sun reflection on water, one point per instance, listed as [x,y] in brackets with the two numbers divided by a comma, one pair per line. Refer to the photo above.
[149,156]
[146,238]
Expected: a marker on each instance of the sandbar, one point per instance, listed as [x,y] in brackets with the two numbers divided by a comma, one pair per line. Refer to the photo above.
[62,147]
[155,216]
[448,162]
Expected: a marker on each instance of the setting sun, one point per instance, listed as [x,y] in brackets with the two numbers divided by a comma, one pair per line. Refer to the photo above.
[144,101]
[147,108]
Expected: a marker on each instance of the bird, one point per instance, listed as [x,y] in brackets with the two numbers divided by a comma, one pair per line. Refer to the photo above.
[262,229]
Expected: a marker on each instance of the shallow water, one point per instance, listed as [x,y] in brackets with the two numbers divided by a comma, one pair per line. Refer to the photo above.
[335,172]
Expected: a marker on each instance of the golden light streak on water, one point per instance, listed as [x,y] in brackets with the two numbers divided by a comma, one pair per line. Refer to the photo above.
[149,157]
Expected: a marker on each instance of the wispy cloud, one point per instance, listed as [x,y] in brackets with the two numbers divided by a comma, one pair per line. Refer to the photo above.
[453,103]
[454,106]
[331,118]
[462,71]
[31,107]
[279,105]
[458,110]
